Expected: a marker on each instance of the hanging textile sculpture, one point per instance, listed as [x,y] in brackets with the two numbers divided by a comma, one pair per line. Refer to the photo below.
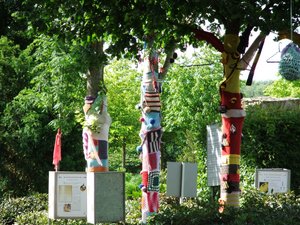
[289,65]
[150,133]
[95,133]
[57,150]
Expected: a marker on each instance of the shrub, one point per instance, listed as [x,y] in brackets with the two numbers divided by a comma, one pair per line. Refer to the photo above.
[132,189]
[10,208]
[271,140]
[256,208]
[41,218]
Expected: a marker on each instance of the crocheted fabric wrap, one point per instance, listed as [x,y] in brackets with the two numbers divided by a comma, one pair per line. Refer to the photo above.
[289,65]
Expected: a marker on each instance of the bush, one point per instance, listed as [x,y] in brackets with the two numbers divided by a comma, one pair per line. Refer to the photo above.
[41,218]
[10,208]
[271,140]
[256,209]
[132,189]
[35,217]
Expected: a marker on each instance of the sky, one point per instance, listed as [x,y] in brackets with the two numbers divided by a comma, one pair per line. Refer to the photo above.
[264,69]
[271,52]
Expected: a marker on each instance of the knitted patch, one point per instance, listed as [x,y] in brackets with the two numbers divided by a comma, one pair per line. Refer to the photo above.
[153,181]
[153,201]
[154,161]
[230,169]
[152,101]
[153,141]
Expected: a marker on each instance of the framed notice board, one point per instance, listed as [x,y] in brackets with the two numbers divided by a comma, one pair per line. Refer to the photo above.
[67,195]
[273,180]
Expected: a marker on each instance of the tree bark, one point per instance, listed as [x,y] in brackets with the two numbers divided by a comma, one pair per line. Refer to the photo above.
[95,72]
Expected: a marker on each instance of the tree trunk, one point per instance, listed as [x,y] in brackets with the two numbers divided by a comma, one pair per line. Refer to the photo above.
[150,133]
[232,122]
[97,120]
[232,117]
[95,72]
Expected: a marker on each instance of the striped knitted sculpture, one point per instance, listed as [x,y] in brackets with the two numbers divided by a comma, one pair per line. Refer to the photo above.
[150,134]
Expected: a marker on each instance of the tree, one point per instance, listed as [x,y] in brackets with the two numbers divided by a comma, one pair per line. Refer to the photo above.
[122,80]
[49,100]
[237,18]
[13,66]
[167,24]
[284,88]
[257,88]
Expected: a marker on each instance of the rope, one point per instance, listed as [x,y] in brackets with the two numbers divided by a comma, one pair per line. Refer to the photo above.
[291,18]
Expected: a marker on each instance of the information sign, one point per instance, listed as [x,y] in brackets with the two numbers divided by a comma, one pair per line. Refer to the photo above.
[271,181]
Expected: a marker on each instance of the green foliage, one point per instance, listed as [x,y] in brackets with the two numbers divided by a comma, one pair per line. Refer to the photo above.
[284,88]
[123,84]
[35,217]
[132,189]
[256,89]
[123,94]
[271,140]
[256,208]
[41,218]
[32,117]
[14,65]
[190,102]
[10,208]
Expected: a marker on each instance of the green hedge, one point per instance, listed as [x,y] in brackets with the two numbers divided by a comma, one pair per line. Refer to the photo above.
[256,209]
[271,138]
[11,208]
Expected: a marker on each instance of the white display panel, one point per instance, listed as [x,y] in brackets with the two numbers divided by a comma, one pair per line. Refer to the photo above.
[273,180]
[214,136]
[67,195]
[181,179]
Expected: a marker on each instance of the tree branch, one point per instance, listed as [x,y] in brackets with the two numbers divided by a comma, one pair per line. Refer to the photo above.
[210,38]
[250,52]
[169,51]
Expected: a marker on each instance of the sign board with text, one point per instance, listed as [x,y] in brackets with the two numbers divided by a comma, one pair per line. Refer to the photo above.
[271,181]
[67,195]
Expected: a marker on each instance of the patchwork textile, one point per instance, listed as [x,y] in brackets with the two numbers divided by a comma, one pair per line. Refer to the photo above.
[150,135]
[154,159]
[232,133]
[232,123]
[153,141]
[153,201]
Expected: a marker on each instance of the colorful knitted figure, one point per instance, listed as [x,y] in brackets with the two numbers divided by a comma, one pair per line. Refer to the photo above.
[232,122]
[95,133]
[150,135]
[231,108]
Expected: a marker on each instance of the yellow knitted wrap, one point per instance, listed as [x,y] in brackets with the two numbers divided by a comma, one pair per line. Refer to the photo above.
[230,60]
